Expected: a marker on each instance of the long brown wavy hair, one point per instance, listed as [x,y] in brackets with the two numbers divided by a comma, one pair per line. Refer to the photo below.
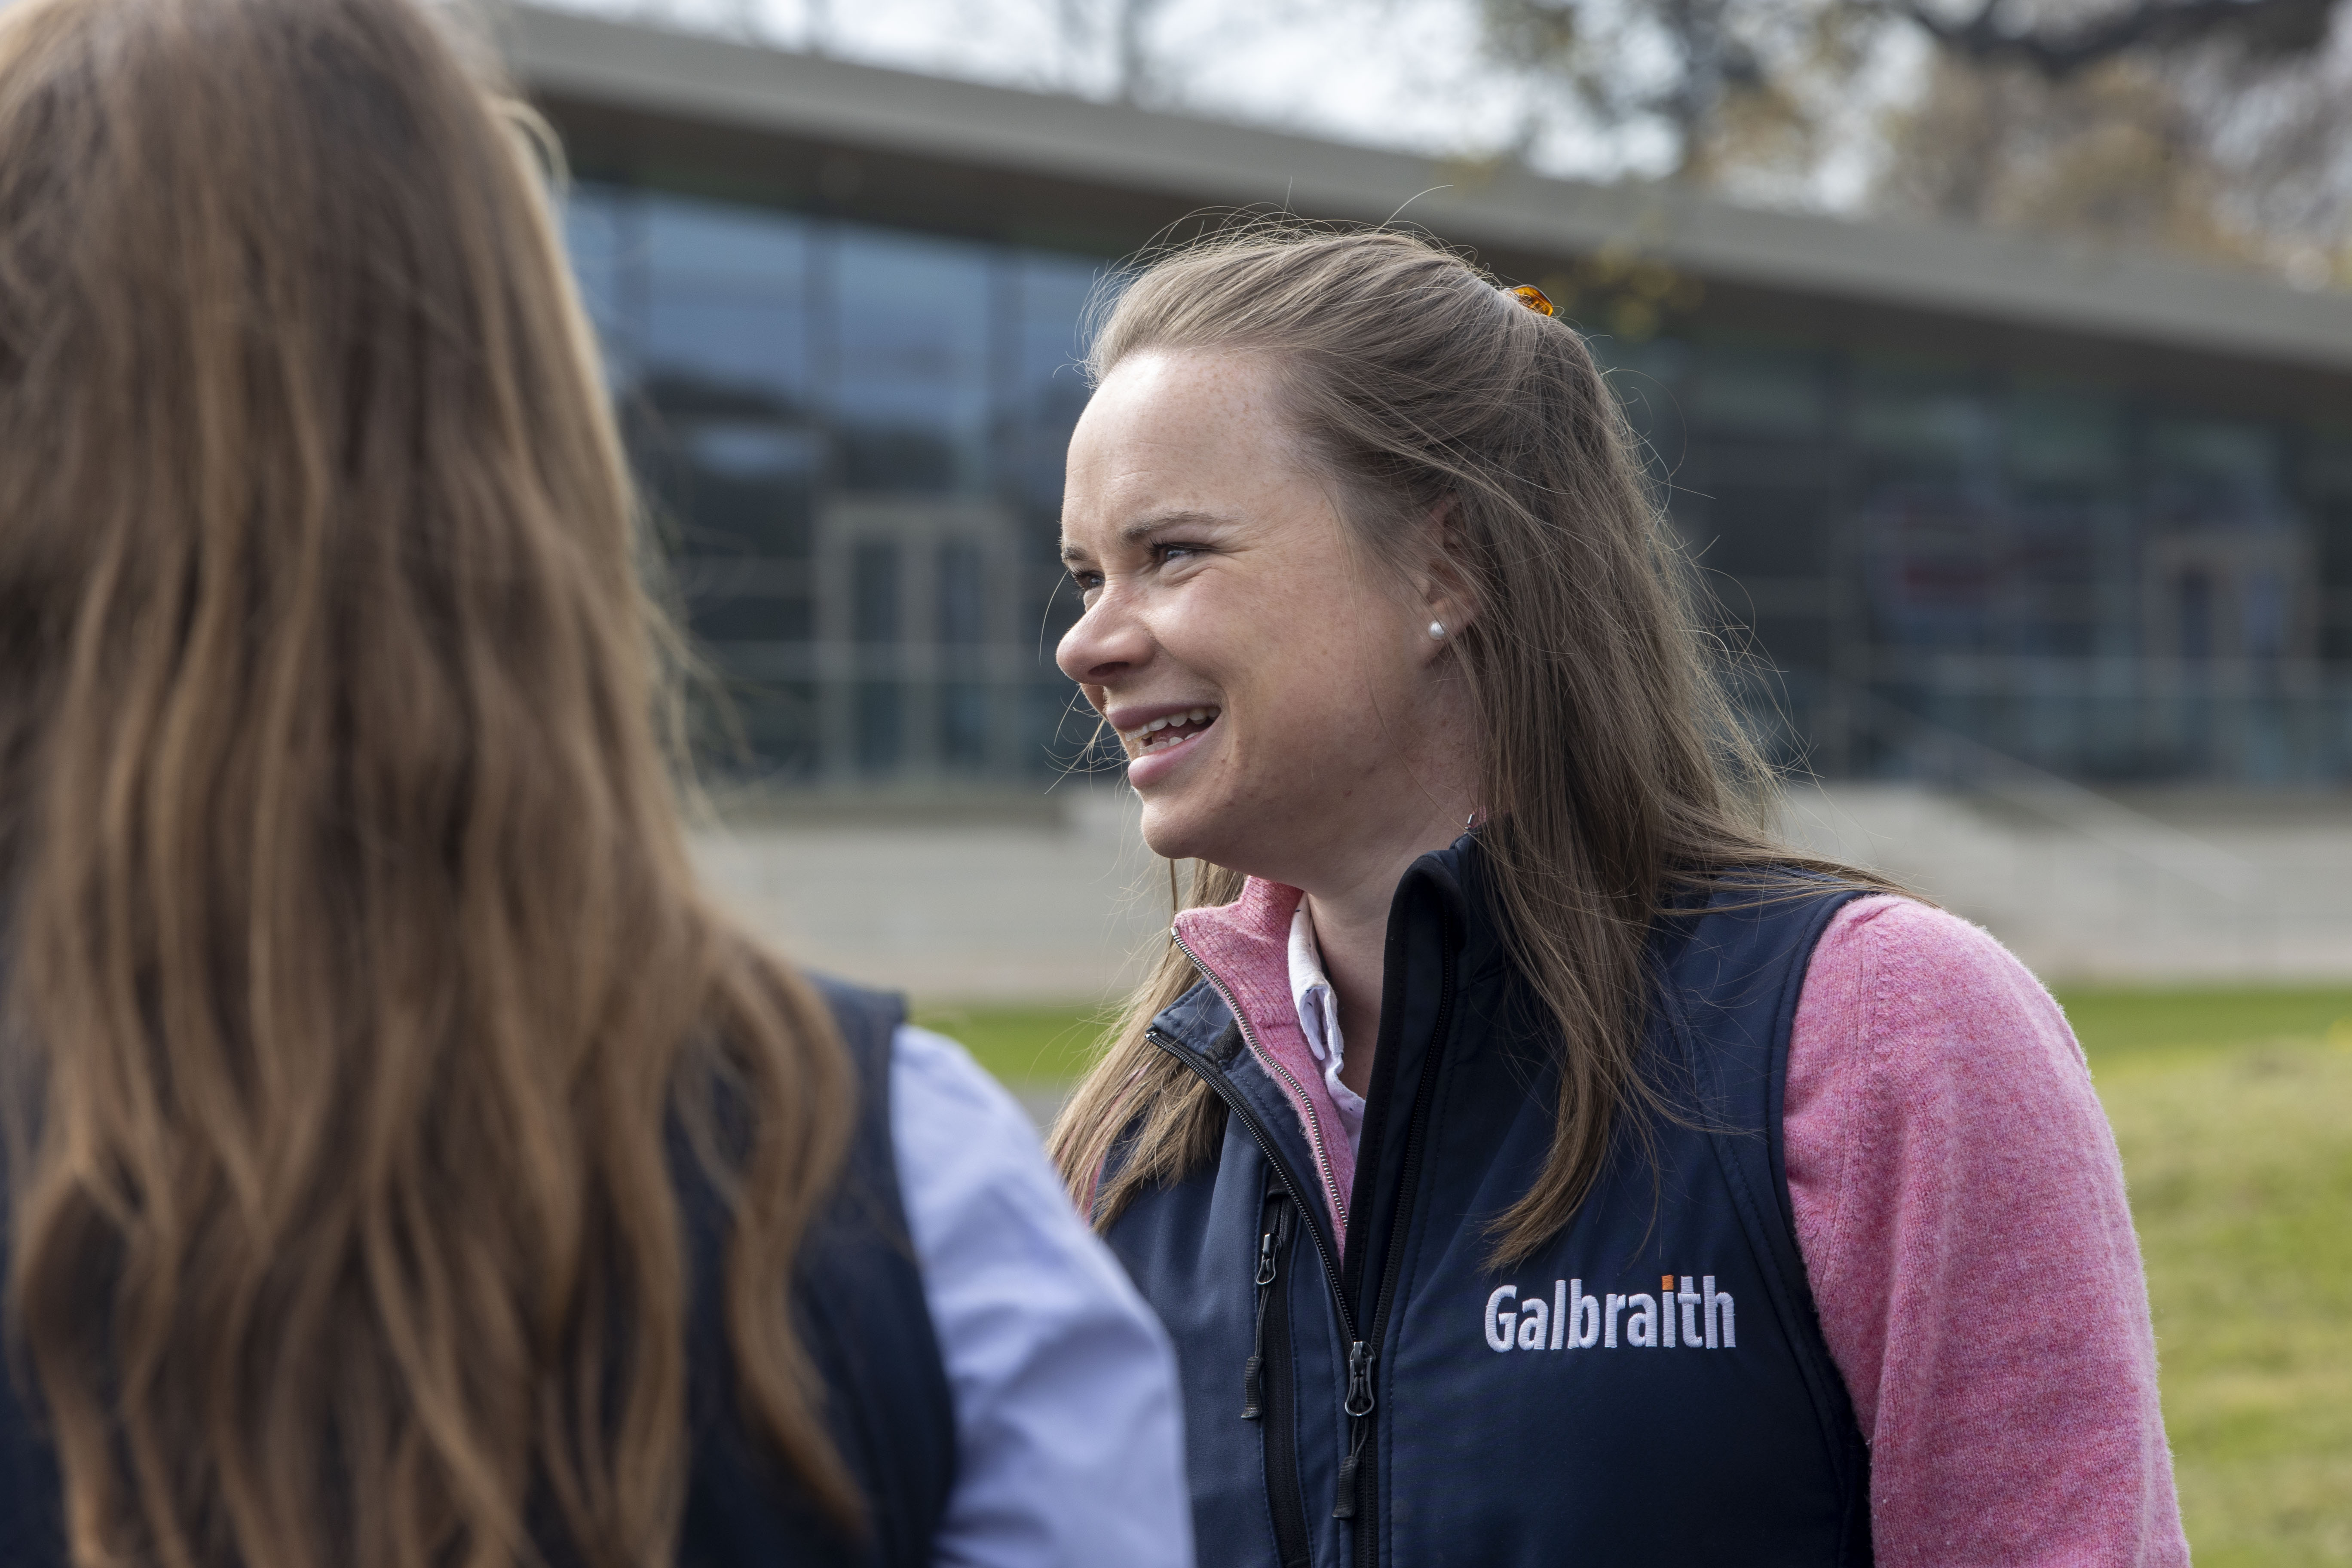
[1615,766]
[357,978]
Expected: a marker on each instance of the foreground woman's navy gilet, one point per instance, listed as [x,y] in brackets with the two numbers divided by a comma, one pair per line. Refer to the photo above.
[1554,1411]
[861,1315]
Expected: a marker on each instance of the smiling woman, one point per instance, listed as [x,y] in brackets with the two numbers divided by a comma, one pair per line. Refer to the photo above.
[1514,1136]
[1226,610]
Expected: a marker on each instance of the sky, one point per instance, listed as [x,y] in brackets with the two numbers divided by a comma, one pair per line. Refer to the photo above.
[1408,74]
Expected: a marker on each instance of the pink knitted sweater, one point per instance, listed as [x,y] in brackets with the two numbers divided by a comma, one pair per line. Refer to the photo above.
[1960,1207]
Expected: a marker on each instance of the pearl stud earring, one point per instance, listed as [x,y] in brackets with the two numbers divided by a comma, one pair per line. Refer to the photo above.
[1437,631]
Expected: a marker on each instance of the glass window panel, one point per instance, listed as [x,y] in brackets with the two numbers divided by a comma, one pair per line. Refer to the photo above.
[1791,642]
[1048,390]
[2328,470]
[2213,473]
[874,594]
[1748,529]
[750,450]
[737,484]
[1761,390]
[2065,453]
[753,617]
[2063,441]
[1051,296]
[1932,527]
[963,595]
[757,727]
[1923,423]
[773,357]
[912,397]
[722,433]
[2328,459]
[2193,589]
[726,311]
[595,226]
[1648,379]
[876,711]
[963,724]
[1048,296]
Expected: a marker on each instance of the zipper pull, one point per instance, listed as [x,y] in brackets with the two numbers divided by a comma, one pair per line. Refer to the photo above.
[1253,1406]
[1359,1380]
[1359,1408]
[1343,1506]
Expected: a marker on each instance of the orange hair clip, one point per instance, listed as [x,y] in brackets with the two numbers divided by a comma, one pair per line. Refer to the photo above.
[1533,298]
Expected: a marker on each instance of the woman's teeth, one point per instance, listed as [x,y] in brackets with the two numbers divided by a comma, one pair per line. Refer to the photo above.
[1164,734]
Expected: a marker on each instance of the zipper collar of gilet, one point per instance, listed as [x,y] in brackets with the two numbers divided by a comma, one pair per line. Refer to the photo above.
[1243,949]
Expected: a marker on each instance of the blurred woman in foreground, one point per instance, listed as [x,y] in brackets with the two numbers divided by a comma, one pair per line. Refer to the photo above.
[407,1166]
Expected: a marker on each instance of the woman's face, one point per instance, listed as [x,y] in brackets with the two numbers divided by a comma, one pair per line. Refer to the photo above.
[1278,694]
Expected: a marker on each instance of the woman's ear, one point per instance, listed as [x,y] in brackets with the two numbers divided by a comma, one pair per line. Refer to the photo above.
[1440,579]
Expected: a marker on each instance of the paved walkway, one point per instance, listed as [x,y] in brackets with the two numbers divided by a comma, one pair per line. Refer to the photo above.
[1069,908]
[1046,911]
[2179,890]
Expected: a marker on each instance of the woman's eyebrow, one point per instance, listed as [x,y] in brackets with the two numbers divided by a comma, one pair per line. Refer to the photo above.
[1144,528]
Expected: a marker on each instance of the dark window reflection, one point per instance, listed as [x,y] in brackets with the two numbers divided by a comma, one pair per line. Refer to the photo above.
[911,402]
[963,595]
[769,366]
[1929,503]
[874,594]
[964,723]
[879,707]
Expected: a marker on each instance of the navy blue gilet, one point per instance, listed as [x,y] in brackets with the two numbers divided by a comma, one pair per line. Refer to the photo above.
[860,1310]
[1650,1386]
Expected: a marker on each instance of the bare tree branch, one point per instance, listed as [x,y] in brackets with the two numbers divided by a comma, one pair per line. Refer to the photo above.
[2260,26]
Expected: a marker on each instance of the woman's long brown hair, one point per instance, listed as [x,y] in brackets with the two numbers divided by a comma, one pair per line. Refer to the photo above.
[1614,766]
[357,978]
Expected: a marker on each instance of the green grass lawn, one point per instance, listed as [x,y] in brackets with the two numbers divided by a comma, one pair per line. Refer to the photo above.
[2234,1113]
[1022,1044]
[2233,1109]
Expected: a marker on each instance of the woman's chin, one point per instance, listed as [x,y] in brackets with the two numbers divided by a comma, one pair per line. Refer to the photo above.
[1186,796]
[1174,829]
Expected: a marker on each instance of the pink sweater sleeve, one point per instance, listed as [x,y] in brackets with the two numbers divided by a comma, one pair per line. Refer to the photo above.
[1960,1207]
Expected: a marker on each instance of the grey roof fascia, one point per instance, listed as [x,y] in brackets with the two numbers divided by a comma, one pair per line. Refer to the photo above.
[1967,271]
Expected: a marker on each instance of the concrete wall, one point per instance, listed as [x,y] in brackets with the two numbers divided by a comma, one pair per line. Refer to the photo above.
[1056,907]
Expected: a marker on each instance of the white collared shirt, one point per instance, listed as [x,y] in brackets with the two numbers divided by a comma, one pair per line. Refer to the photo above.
[1318,1020]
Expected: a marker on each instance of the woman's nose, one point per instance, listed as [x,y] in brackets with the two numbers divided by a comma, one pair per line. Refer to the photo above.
[1107,642]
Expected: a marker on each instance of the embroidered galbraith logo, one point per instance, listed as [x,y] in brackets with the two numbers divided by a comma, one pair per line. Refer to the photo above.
[1575,1321]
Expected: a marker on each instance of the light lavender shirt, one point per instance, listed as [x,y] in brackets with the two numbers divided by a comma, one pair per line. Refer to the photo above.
[1069,1440]
[1318,1020]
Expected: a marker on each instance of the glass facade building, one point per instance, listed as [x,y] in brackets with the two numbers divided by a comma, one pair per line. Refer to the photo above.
[852,437]
[2109,583]
[847,376]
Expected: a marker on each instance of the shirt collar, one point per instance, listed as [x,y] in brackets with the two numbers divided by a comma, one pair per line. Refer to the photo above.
[1310,988]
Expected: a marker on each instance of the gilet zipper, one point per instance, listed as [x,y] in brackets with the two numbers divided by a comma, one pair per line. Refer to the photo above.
[1273,1231]
[1269,1392]
[1207,1071]
[1356,1483]
[1280,1422]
